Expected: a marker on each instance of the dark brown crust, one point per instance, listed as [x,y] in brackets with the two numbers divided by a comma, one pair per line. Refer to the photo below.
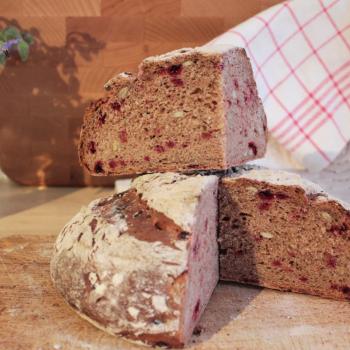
[166,339]
[144,223]
[71,275]
[90,310]
[279,237]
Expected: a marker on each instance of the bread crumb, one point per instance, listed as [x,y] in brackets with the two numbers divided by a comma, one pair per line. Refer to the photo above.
[326,216]
[178,114]
[123,92]
[266,234]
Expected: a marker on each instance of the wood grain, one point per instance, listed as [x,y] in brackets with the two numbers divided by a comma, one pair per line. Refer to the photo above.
[52,31]
[80,44]
[171,8]
[199,30]
[11,8]
[50,8]
[209,8]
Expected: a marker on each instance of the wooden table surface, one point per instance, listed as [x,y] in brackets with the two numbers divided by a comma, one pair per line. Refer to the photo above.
[33,316]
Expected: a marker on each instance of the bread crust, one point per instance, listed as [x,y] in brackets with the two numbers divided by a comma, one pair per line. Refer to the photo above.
[126,266]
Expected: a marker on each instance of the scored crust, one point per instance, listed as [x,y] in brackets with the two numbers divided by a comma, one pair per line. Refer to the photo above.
[132,270]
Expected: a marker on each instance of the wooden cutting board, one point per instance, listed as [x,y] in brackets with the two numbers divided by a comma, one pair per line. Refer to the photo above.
[33,316]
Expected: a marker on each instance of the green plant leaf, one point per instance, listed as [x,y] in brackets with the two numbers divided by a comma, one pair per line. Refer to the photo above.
[2,36]
[1,49]
[28,38]
[23,50]
[12,33]
[2,58]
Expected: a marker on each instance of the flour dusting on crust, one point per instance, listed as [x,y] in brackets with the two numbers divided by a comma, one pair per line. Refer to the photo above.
[173,194]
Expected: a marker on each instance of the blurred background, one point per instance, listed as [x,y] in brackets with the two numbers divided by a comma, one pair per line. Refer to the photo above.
[70,48]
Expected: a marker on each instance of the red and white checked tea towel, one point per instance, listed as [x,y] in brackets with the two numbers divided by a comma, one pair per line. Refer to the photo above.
[300,52]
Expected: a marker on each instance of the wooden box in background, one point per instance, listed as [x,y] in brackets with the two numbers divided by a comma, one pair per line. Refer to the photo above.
[80,44]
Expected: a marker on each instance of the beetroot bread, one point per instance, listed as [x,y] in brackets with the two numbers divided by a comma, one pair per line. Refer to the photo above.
[143,263]
[280,231]
[186,110]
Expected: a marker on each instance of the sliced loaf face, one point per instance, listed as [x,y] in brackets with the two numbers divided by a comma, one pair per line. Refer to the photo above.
[190,109]
[140,266]
[280,231]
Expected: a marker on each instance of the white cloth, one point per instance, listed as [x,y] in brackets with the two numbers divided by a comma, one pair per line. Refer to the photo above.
[300,53]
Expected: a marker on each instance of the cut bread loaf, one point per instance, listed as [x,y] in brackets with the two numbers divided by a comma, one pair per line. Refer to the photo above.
[143,263]
[186,110]
[280,231]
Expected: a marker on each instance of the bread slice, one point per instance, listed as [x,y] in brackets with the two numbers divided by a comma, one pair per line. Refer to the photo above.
[186,110]
[280,231]
[143,263]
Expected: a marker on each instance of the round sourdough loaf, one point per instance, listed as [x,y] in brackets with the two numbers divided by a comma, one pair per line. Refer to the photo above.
[143,263]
